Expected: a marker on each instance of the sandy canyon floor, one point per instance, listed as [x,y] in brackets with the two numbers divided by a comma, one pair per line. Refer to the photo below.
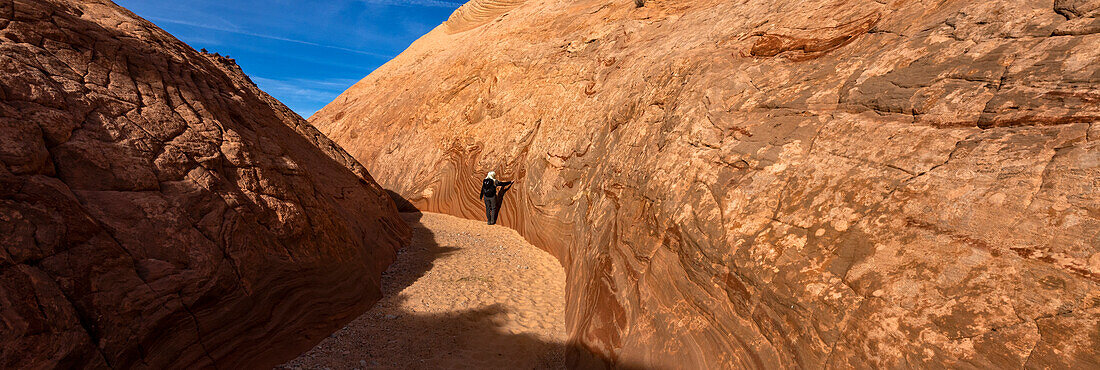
[463,294]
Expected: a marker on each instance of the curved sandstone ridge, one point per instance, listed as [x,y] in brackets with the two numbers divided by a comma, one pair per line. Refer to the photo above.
[478,12]
[158,210]
[773,183]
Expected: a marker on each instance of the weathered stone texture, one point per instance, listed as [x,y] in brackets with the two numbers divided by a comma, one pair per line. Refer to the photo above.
[158,210]
[772,183]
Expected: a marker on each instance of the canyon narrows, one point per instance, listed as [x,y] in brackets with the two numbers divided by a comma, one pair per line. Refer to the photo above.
[157,210]
[726,184]
[771,183]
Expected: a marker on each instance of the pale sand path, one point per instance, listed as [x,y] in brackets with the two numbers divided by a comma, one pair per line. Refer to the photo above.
[462,295]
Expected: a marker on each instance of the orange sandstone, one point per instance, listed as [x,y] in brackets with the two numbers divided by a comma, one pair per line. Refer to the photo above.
[158,210]
[771,183]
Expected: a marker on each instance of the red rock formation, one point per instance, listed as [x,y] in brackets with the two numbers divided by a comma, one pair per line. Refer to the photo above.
[158,210]
[772,183]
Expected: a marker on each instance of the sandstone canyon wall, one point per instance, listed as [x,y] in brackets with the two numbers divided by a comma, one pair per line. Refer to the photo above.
[158,211]
[771,183]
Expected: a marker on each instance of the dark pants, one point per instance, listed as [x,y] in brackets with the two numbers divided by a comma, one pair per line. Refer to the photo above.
[491,210]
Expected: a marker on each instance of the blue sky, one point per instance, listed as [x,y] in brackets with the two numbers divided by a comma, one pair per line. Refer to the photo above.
[304,53]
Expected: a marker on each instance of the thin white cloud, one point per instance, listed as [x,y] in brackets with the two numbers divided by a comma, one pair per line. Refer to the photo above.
[415,3]
[303,95]
[269,37]
[304,88]
[206,42]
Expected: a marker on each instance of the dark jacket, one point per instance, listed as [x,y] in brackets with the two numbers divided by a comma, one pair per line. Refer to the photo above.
[489,187]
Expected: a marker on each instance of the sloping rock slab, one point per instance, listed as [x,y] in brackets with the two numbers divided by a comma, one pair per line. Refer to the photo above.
[157,210]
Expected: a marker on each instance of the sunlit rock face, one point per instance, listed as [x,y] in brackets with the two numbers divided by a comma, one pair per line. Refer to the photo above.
[157,210]
[767,184]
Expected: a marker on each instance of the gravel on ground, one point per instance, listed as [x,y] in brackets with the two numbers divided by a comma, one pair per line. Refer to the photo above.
[463,294]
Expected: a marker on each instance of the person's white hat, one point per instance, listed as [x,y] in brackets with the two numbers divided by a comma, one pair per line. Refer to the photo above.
[492,175]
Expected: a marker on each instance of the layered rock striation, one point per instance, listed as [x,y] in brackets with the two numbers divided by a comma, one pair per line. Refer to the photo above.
[157,210]
[771,183]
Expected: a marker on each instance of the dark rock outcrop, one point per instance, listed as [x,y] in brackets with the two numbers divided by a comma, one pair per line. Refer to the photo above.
[158,210]
[772,183]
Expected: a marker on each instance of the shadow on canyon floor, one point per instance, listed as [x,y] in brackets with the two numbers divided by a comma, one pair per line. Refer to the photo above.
[391,335]
[477,331]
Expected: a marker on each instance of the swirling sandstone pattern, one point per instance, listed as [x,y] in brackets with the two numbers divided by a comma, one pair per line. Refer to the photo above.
[476,13]
[158,210]
[773,183]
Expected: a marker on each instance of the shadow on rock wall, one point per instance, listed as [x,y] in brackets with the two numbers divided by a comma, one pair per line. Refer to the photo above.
[403,205]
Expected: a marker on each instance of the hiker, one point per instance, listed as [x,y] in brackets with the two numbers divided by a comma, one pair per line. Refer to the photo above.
[490,196]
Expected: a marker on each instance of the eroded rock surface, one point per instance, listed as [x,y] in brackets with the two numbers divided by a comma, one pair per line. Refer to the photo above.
[772,183]
[158,210]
